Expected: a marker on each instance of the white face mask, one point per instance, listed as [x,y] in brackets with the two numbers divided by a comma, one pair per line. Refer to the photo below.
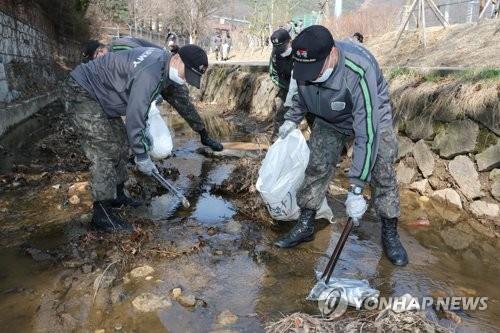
[287,52]
[326,74]
[173,75]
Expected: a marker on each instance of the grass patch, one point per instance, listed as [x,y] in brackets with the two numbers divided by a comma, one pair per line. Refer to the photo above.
[479,74]
[400,71]
[485,139]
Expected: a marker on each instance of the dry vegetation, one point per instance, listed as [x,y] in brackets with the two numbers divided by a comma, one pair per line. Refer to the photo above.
[241,183]
[385,321]
[370,21]
[473,94]
[462,45]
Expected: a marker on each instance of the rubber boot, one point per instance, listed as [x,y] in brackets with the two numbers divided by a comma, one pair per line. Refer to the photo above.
[391,244]
[302,231]
[104,219]
[122,199]
[206,140]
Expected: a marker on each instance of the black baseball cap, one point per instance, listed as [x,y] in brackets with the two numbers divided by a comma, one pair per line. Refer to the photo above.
[89,49]
[280,39]
[196,62]
[310,49]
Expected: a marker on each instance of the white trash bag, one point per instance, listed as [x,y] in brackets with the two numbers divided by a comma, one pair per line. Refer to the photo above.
[280,176]
[159,134]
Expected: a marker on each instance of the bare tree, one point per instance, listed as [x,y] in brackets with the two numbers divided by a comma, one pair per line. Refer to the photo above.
[192,16]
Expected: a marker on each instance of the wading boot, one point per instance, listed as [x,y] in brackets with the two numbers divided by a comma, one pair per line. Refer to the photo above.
[302,231]
[104,219]
[393,248]
[122,199]
[206,140]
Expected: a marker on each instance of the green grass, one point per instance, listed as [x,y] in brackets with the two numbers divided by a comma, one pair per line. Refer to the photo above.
[485,139]
[471,75]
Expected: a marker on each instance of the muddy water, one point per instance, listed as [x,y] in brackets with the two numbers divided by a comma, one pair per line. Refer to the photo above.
[238,269]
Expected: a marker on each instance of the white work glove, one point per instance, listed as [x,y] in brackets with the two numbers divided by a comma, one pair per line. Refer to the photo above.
[145,165]
[286,128]
[355,206]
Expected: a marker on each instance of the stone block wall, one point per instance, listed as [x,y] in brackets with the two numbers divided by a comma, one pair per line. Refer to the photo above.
[33,59]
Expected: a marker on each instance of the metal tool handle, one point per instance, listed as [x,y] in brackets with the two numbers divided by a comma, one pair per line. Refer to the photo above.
[338,249]
[159,178]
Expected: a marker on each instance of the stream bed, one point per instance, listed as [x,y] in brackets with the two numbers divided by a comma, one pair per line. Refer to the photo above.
[239,281]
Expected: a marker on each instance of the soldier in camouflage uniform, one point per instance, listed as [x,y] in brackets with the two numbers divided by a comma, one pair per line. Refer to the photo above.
[98,93]
[342,84]
[175,95]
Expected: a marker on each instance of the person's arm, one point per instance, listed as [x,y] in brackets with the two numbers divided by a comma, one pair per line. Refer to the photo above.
[297,111]
[365,113]
[273,74]
[178,96]
[128,43]
[292,91]
[144,90]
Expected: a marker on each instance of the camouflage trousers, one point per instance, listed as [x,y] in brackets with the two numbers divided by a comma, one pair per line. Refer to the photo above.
[326,146]
[103,140]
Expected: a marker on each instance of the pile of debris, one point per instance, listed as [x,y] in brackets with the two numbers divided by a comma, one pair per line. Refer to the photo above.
[384,321]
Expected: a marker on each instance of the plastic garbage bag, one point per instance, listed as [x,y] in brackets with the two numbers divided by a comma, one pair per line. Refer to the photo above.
[340,293]
[280,175]
[158,134]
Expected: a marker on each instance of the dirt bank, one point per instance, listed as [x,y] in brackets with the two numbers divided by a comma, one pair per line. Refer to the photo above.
[462,45]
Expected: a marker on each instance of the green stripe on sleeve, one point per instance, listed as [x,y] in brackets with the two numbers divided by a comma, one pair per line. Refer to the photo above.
[369,117]
[119,47]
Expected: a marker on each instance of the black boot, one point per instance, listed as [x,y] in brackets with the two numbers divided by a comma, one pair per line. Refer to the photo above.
[104,219]
[206,140]
[393,248]
[302,231]
[122,199]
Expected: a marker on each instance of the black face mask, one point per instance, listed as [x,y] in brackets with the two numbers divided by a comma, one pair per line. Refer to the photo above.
[280,48]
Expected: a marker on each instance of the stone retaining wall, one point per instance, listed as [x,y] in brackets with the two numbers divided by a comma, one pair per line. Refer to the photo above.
[33,60]
[455,159]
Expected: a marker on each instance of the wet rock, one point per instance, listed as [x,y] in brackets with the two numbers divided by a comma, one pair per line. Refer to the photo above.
[495,189]
[420,186]
[404,174]
[456,239]
[464,173]
[74,200]
[38,255]
[148,302]
[423,156]
[458,138]
[405,147]
[142,271]
[418,129]
[86,269]
[176,292]
[187,301]
[78,188]
[226,317]
[484,209]
[449,197]
[495,174]
[489,158]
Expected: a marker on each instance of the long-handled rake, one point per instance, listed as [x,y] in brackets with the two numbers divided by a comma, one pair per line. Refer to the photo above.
[159,178]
